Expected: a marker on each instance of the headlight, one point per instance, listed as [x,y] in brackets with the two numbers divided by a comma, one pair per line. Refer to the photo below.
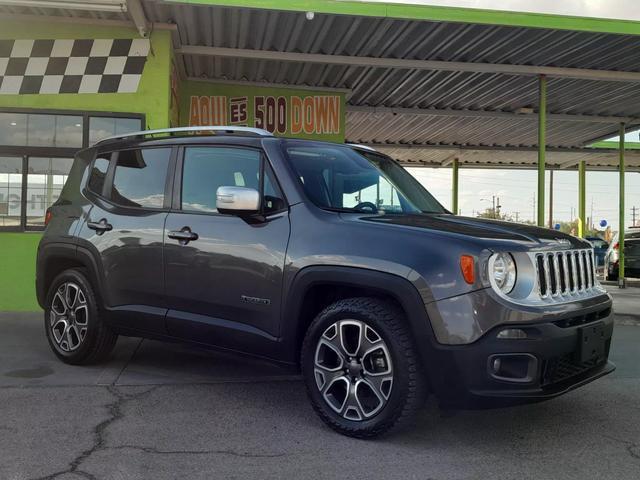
[503,272]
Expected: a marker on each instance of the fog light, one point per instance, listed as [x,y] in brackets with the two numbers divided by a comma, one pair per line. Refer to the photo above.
[513,367]
[512,333]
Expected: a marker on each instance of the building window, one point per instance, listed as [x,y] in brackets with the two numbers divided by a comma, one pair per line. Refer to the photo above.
[40,130]
[103,127]
[10,191]
[45,179]
[35,158]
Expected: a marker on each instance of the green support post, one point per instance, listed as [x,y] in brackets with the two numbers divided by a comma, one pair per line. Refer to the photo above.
[582,201]
[454,193]
[542,144]
[621,282]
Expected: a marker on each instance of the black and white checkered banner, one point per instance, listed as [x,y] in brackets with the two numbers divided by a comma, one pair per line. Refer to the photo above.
[72,66]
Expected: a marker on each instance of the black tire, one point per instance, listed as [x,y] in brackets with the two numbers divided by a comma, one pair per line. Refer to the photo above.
[409,385]
[98,340]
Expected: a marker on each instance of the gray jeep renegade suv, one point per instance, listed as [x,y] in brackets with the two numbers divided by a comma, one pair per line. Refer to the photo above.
[327,256]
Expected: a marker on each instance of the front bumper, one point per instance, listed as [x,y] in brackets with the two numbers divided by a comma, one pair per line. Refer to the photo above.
[464,377]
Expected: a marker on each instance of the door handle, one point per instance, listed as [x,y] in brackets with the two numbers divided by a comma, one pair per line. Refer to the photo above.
[184,235]
[100,227]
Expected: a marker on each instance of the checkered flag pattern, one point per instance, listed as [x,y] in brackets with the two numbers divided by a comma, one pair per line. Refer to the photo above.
[72,66]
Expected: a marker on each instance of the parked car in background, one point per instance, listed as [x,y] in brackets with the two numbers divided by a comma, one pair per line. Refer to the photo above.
[631,255]
[599,249]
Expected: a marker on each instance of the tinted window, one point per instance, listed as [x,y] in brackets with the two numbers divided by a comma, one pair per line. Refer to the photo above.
[207,168]
[99,173]
[140,177]
[339,178]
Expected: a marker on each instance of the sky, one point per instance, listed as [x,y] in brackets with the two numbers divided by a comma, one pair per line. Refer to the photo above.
[616,9]
[516,190]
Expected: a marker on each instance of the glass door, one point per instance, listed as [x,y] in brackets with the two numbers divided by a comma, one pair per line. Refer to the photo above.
[11,189]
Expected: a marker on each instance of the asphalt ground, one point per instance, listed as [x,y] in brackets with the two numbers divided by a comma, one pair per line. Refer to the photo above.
[167,411]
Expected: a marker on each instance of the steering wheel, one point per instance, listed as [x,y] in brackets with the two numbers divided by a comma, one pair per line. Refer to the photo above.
[364,205]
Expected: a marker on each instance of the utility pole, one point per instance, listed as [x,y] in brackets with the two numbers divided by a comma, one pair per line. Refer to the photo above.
[534,208]
[591,219]
[550,198]
[634,209]
[517,214]
[497,210]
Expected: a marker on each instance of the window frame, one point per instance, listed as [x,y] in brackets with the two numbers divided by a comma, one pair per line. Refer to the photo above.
[107,188]
[176,203]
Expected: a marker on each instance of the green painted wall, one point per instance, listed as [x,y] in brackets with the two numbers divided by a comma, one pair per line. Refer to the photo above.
[151,99]
[18,271]
[436,13]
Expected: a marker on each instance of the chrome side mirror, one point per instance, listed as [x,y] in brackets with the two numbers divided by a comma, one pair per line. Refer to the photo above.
[237,200]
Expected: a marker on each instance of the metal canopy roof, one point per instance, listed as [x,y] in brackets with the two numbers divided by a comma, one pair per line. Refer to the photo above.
[443,88]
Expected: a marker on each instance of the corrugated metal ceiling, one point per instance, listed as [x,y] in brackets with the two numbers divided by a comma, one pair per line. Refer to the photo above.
[376,37]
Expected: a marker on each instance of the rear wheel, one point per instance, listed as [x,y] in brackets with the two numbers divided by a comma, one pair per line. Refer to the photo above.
[361,367]
[72,321]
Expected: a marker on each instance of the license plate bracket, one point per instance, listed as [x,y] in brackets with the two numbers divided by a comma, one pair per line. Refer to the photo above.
[592,342]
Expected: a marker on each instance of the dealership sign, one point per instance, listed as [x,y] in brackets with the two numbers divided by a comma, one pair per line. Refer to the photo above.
[293,113]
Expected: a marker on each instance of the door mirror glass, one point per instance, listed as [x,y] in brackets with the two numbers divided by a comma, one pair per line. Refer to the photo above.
[238,200]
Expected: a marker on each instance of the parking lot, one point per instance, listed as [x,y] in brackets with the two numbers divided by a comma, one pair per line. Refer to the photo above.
[166,411]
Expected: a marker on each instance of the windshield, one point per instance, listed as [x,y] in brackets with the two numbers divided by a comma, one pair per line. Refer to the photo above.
[340,178]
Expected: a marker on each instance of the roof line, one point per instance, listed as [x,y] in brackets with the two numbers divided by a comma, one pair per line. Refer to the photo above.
[435,13]
[497,148]
[412,64]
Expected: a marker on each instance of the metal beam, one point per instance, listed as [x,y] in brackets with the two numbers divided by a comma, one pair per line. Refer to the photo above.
[410,64]
[136,12]
[621,282]
[542,145]
[450,112]
[98,6]
[346,91]
[454,187]
[582,198]
[490,148]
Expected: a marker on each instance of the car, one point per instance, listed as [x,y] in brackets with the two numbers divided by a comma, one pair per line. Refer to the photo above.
[631,255]
[328,257]
[600,247]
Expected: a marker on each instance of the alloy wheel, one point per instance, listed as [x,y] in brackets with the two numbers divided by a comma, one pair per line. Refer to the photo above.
[69,317]
[353,369]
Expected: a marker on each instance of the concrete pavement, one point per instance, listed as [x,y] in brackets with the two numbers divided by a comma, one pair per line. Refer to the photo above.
[164,411]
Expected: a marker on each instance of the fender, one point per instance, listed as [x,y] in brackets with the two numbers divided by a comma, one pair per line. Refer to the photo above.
[401,289]
[74,253]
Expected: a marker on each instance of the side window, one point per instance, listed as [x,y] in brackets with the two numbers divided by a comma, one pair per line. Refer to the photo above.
[99,173]
[273,198]
[140,177]
[207,168]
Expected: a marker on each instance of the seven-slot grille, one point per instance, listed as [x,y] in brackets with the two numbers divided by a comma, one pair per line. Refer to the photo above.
[565,273]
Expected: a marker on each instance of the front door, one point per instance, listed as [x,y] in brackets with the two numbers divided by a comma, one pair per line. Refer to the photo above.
[223,286]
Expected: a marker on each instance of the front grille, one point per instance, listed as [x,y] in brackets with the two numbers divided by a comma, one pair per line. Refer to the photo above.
[560,274]
[563,368]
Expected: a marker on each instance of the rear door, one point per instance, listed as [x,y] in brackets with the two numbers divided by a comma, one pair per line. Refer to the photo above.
[632,254]
[130,192]
[224,286]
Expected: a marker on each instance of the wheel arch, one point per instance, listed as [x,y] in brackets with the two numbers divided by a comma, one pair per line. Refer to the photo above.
[55,258]
[315,287]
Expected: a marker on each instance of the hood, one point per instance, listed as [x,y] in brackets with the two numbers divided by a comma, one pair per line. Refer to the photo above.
[485,229]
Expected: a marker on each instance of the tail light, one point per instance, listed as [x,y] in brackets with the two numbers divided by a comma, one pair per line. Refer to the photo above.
[616,246]
[47,217]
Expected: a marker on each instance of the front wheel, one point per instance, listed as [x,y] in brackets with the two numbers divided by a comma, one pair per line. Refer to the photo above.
[73,323]
[361,368]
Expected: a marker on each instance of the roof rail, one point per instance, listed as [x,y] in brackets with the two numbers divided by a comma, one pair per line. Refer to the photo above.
[364,147]
[221,129]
